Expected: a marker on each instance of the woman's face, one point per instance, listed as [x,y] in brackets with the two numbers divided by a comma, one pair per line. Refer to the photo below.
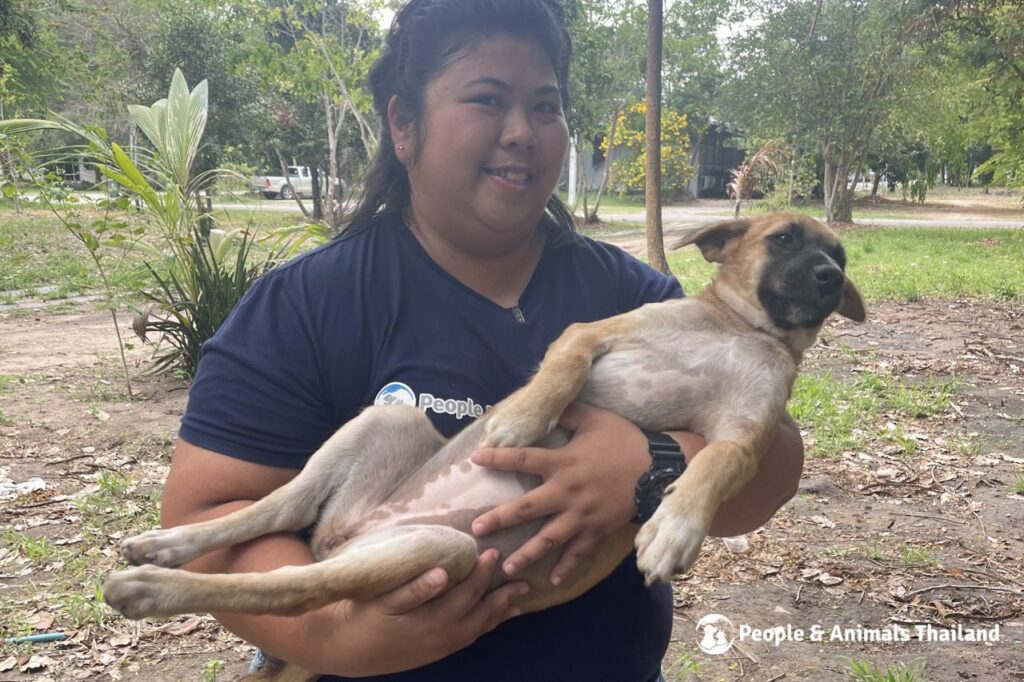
[489,149]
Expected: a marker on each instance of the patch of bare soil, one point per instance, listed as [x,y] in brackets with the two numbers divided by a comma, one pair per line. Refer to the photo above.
[65,419]
[886,543]
[951,206]
[880,538]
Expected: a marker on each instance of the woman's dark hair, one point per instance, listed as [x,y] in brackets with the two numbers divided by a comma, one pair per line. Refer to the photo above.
[425,36]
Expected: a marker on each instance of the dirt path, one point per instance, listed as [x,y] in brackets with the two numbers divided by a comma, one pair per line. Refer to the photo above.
[880,537]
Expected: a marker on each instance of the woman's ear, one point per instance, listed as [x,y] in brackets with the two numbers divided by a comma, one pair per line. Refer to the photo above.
[402,127]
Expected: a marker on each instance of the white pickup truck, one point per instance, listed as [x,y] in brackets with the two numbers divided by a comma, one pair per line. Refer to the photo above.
[276,187]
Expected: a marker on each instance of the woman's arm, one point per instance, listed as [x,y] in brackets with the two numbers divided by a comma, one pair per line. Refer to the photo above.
[588,486]
[403,629]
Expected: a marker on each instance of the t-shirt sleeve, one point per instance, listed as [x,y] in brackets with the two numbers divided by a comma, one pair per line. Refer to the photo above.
[261,392]
[639,283]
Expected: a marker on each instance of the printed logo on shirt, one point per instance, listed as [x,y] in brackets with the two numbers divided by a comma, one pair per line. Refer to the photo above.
[395,393]
[456,408]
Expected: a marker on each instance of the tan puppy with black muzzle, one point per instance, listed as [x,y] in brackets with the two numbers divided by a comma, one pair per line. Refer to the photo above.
[391,499]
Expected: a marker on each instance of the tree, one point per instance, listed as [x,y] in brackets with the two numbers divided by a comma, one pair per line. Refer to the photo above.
[830,72]
[652,199]
[989,35]
[607,75]
[313,56]
[630,167]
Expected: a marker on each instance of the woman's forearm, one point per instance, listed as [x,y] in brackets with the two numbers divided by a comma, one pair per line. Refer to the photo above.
[774,484]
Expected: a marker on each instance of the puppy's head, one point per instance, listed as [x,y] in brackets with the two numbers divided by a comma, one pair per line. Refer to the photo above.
[789,265]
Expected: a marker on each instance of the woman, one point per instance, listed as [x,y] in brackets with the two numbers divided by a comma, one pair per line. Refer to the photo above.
[457,270]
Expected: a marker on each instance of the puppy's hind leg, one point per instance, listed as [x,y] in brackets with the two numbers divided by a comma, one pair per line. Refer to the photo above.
[367,566]
[361,463]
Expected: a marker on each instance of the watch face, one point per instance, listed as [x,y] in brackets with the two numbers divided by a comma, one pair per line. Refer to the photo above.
[664,477]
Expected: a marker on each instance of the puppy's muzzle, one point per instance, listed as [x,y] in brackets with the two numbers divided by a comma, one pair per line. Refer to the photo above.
[828,279]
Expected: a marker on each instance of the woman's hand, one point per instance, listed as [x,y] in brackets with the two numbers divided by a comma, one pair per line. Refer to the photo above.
[412,625]
[587,488]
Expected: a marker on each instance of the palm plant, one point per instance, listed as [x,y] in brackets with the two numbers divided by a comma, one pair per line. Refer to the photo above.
[196,282]
[766,163]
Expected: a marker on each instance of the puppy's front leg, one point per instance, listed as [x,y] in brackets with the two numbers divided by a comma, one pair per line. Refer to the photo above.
[671,540]
[532,412]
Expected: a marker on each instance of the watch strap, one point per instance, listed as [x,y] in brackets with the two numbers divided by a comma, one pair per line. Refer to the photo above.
[667,464]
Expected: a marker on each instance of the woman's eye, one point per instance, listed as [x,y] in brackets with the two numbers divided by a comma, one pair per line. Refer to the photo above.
[487,100]
[549,108]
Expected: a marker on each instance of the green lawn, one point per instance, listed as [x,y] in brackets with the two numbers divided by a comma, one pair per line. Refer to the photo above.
[40,258]
[911,263]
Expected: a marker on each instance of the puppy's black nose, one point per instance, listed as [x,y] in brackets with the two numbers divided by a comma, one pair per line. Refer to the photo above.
[829,278]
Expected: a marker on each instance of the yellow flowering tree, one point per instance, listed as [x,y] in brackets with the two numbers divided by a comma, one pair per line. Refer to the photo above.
[628,168]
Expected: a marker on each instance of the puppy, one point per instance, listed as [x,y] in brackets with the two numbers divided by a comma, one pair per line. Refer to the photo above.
[391,499]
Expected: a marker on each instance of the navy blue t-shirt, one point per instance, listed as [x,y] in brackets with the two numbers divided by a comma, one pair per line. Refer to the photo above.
[370,317]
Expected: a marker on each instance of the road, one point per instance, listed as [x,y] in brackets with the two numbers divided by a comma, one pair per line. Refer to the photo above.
[673,216]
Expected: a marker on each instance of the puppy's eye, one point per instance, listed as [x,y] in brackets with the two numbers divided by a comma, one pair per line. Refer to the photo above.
[784,238]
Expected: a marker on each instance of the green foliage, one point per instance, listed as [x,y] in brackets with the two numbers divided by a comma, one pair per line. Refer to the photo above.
[629,170]
[197,278]
[202,44]
[212,668]
[865,671]
[843,414]
[827,75]
[195,297]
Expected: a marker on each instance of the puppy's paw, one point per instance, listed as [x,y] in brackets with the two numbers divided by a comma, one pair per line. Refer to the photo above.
[668,544]
[512,427]
[161,547]
[145,591]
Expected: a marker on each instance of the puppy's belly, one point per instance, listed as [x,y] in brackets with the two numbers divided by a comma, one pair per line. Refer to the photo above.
[656,393]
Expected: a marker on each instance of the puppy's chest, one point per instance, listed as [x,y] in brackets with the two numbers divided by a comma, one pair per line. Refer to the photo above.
[677,380]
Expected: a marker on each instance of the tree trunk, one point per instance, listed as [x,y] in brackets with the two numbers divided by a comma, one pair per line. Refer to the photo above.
[581,172]
[874,185]
[318,200]
[655,239]
[838,204]
[592,218]
[284,172]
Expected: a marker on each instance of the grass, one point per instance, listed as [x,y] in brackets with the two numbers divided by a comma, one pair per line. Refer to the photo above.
[684,665]
[863,671]
[212,668]
[39,258]
[845,414]
[916,555]
[1018,484]
[73,591]
[38,549]
[910,264]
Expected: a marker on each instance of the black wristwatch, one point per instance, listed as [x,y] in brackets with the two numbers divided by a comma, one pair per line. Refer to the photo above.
[667,464]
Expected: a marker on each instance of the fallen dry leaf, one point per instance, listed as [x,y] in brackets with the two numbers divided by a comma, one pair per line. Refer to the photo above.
[8,664]
[120,640]
[184,628]
[37,662]
[40,620]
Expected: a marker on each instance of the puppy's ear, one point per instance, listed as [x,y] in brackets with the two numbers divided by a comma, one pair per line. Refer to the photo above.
[714,241]
[852,305]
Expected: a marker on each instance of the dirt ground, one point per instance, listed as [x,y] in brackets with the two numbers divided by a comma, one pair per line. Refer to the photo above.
[838,554]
